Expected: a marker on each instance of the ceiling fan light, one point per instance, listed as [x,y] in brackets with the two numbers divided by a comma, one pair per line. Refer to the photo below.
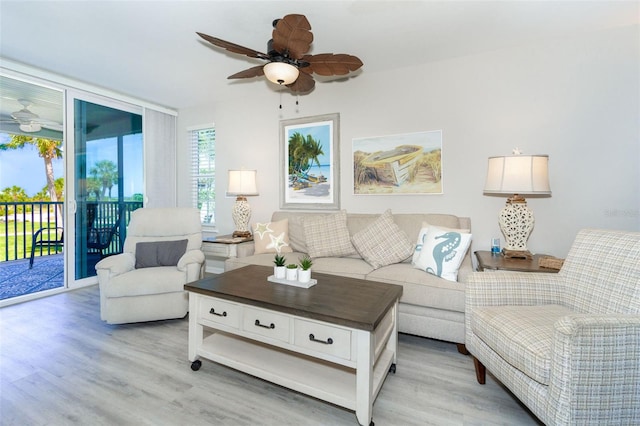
[31,127]
[281,72]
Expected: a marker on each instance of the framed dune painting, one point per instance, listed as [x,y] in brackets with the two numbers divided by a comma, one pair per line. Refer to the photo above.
[409,163]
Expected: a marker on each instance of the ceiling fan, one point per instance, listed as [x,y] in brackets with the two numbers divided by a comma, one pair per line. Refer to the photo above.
[287,61]
[30,122]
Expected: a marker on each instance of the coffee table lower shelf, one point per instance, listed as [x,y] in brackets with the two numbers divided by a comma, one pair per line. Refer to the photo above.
[324,380]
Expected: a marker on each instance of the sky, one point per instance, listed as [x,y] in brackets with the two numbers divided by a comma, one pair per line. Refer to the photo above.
[24,168]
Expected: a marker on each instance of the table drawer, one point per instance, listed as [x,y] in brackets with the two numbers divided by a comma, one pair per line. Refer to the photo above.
[220,312]
[266,323]
[322,338]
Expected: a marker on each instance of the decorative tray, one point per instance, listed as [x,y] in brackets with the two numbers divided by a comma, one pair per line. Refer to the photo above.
[311,282]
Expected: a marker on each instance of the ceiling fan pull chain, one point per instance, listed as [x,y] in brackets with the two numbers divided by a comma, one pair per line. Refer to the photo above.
[280,99]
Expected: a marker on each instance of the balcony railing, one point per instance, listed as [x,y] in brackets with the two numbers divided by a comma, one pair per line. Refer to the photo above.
[20,220]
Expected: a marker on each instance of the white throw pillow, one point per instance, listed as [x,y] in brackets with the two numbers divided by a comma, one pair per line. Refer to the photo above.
[382,242]
[442,252]
[422,234]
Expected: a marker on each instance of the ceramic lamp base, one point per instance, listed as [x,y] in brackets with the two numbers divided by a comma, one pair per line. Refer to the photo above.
[241,214]
[516,223]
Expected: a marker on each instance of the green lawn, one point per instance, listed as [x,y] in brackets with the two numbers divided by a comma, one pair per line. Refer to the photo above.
[17,236]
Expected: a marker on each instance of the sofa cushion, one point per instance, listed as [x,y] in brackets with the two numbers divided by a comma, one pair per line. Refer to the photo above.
[327,235]
[382,242]
[296,231]
[271,237]
[521,335]
[422,289]
[159,253]
[442,252]
[345,266]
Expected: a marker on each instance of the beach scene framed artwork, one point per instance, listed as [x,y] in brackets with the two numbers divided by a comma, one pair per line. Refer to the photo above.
[409,163]
[309,170]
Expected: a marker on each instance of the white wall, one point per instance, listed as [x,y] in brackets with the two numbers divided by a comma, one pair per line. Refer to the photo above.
[575,99]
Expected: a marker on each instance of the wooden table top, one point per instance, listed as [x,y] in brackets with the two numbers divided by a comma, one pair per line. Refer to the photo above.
[490,261]
[350,302]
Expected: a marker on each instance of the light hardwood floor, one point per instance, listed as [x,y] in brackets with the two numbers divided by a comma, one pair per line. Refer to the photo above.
[61,365]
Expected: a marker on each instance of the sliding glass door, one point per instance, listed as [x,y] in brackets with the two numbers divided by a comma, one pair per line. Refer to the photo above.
[108,181]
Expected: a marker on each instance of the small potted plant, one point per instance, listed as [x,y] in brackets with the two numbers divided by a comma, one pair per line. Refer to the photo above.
[279,269]
[292,272]
[304,274]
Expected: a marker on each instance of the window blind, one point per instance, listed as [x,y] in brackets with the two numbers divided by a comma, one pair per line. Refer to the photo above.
[203,171]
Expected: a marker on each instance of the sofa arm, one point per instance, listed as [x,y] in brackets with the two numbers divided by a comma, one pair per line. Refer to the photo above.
[513,288]
[117,264]
[191,256]
[466,268]
[595,377]
[192,263]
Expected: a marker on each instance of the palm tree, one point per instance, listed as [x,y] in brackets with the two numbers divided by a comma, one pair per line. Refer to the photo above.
[314,150]
[106,172]
[302,152]
[48,149]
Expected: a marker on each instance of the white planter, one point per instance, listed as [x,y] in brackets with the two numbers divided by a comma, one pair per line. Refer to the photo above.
[292,274]
[279,272]
[304,276]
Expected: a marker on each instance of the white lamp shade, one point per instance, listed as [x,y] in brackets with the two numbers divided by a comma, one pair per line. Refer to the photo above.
[280,72]
[518,174]
[242,182]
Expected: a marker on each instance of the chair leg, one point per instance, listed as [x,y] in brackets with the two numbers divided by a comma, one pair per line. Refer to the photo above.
[462,348]
[481,371]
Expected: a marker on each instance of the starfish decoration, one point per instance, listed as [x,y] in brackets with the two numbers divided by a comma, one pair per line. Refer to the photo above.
[262,228]
[277,242]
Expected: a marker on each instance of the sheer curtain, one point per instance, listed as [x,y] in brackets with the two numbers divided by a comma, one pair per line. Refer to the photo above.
[160,159]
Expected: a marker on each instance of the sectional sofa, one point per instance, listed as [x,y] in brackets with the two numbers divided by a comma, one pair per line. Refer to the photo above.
[430,306]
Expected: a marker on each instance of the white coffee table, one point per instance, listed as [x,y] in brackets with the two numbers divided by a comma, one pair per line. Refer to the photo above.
[335,341]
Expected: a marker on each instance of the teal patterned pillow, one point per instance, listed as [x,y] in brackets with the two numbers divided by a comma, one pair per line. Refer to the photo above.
[442,251]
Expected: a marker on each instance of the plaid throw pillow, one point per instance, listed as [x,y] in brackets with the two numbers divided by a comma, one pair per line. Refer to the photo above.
[327,235]
[383,242]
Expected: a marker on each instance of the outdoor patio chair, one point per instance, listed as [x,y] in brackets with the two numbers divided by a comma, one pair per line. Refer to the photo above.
[50,237]
[99,237]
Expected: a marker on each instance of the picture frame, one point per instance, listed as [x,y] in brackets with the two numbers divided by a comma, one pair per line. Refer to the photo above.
[401,164]
[310,163]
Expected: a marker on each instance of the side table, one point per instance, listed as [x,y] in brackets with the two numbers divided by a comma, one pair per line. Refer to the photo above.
[488,261]
[217,249]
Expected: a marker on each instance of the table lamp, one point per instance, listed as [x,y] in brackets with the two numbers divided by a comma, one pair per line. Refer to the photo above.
[242,183]
[517,175]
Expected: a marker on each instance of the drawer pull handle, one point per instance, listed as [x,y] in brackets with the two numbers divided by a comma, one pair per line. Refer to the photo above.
[329,341]
[213,312]
[272,325]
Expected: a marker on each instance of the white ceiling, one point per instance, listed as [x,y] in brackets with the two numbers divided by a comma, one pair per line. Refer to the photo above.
[149,49]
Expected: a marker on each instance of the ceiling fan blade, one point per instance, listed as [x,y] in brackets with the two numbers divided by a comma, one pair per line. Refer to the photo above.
[331,64]
[249,73]
[292,33]
[303,84]
[234,48]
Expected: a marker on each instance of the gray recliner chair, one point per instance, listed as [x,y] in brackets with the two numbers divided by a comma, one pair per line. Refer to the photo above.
[161,253]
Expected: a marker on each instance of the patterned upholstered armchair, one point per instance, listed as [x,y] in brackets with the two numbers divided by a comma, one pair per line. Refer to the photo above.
[566,344]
